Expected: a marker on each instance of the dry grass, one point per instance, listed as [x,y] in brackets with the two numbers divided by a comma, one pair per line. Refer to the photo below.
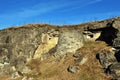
[32,26]
[91,70]
[50,69]
[5,77]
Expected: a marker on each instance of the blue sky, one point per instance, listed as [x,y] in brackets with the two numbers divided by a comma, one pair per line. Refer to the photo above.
[59,12]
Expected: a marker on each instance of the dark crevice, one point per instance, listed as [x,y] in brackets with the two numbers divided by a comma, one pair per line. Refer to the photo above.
[117,55]
[7,39]
[91,36]
[108,34]
[107,70]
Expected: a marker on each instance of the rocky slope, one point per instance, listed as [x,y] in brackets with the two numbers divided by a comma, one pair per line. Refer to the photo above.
[26,52]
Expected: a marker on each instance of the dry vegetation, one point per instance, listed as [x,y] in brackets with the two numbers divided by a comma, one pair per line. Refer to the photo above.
[92,70]
[4,77]
[53,70]
[29,26]
[50,69]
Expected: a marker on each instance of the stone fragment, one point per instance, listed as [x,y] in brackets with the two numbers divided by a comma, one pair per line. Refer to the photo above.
[73,69]
[106,58]
[69,41]
[115,71]
[116,24]
[116,42]
[81,60]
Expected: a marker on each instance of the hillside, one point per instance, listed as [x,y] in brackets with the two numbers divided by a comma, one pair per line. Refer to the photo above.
[88,51]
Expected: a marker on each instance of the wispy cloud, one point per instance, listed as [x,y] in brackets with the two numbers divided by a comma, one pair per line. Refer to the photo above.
[44,7]
[105,14]
[76,19]
[38,9]
[93,2]
[82,4]
[51,6]
[100,16]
